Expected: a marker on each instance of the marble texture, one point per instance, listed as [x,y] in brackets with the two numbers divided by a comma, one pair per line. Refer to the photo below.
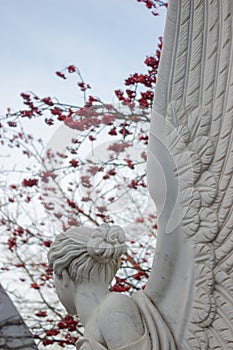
[85,261]
[191,146]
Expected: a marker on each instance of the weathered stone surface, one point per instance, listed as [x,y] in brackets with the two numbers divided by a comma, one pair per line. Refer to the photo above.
[14,333]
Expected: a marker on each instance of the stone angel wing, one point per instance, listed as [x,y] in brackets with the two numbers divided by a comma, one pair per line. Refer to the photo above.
[190,175]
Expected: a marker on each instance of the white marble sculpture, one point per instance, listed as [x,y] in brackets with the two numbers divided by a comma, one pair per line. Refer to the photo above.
[85,261]
[188,301]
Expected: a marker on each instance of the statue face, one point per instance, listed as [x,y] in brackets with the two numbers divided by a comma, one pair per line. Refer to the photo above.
[65,289]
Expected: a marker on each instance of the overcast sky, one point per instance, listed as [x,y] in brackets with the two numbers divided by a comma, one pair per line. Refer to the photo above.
[106,39]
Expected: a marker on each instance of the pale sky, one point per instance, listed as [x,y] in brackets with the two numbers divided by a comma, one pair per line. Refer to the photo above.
[106,39]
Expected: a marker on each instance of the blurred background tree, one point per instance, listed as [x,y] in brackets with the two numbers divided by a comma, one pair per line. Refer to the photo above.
[91,169]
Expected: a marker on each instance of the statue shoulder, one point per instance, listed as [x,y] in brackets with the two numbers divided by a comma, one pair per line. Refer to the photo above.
[116,305]
[119,314]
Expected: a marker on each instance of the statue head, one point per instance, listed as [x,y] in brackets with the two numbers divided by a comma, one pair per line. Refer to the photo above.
[82,255]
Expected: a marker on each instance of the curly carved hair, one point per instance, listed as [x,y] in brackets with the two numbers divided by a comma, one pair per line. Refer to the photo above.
[88,254]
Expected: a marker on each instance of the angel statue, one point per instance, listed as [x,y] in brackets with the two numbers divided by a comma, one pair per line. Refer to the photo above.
[85,261]
[187,303]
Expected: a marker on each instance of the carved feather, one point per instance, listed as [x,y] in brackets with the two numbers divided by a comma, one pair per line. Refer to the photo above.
[195,98]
